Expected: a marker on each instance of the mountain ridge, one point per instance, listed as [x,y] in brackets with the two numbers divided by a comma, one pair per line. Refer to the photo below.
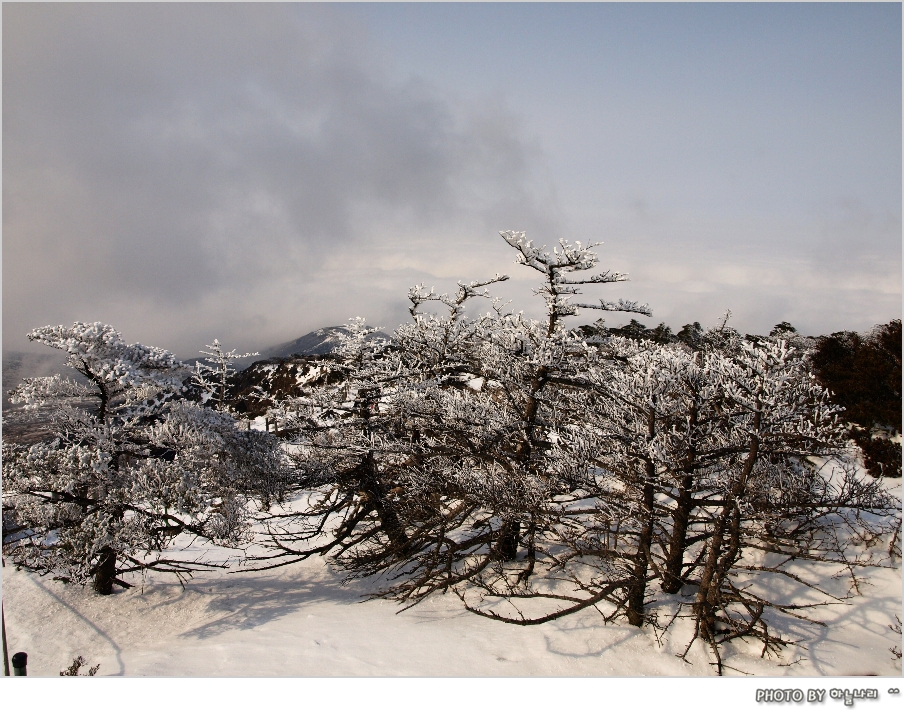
[318,342]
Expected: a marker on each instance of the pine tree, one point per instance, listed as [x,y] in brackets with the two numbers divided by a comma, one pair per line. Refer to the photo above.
[130,465]
[212,375]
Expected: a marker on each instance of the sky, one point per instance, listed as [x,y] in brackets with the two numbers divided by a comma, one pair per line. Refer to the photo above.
[253,172]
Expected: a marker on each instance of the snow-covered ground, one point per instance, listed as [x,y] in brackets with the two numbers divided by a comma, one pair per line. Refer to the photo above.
[193,644]
[300,621]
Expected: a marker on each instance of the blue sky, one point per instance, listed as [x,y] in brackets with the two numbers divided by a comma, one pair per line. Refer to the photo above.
[254,172]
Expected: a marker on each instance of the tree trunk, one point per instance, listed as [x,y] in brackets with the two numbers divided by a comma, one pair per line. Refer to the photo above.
[392,526]
[674,562]
[389,519]
[717,564]
[638,590]
[105,571]
[506,548]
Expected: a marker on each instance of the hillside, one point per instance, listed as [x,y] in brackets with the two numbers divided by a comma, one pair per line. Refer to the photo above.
[279,377]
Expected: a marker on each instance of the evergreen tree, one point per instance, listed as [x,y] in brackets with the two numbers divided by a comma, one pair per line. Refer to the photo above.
[131,465]
[864,375]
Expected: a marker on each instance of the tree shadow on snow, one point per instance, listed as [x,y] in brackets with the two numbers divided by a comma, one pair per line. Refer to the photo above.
[248,600]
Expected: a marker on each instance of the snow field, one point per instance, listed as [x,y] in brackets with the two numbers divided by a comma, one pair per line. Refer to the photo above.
[300,621]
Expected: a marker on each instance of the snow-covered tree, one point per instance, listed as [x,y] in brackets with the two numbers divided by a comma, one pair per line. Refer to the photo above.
[503,458]
[507,459]
[212,375]
[463,423]
[128,464]
[343,452]
[702,479]
[771,504]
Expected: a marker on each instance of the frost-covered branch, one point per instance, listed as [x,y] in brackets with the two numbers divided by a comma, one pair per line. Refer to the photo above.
[128,466]
[558,289]
[212,375]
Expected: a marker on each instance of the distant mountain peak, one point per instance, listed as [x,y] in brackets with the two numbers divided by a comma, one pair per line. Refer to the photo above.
[318,342]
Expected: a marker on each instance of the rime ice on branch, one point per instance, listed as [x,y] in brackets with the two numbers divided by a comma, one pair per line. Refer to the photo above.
[535,474]
[129,466]
[401,453]
[212,375]
[559,289]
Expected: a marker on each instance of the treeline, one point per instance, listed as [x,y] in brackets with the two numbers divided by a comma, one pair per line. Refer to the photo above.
[863,373]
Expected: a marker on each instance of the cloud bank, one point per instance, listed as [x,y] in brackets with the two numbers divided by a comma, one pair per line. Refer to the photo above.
[243,172]
[253,172]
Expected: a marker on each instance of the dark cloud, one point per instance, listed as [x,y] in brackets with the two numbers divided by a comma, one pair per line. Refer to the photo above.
[189,170]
